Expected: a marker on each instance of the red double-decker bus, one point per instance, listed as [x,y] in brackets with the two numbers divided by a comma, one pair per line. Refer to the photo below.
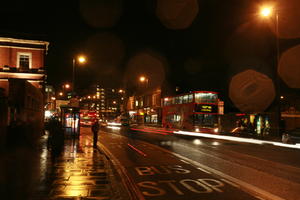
[194,111]
[87,117]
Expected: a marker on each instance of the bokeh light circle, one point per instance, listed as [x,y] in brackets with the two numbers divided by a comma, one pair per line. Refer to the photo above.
[177,14]
[251,91]
[100,13]
[289,67]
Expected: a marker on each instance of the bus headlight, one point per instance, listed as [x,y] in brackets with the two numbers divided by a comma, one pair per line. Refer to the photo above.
[197,129]
[216,130]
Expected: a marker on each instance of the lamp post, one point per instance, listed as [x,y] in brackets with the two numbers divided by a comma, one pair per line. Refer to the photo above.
[267,12]
[144,79]
[80,59]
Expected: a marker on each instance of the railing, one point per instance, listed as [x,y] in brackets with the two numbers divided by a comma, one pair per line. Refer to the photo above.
[21,70]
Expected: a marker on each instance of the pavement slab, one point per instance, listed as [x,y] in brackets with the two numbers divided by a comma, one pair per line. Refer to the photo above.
[79,171]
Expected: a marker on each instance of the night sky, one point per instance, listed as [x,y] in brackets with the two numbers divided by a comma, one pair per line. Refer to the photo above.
[112,33]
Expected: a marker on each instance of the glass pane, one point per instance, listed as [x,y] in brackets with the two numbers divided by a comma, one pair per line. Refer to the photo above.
[24,61]
[198,98]
[185,99]
[180,99]
[172,101]
[176,100]
[191,98]
[204,120]
[206,98]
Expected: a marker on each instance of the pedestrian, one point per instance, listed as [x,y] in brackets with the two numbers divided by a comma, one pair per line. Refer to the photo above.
[95,129]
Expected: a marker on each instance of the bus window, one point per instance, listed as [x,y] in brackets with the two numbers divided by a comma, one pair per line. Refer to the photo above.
[190,98]
[198,98]
[180,99]
[176,100]
[205,120]
[210,98]
[173,101]
[185,99]
[206,98]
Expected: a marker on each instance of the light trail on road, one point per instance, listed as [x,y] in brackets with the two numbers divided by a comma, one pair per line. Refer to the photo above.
[237,139]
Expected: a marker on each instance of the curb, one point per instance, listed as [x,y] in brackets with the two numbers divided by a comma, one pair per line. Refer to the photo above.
[132,190]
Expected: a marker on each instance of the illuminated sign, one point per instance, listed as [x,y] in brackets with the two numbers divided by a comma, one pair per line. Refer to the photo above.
[206,108]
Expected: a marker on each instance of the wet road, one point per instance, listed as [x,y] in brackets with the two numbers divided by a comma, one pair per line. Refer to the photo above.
[161,165]
[262,170]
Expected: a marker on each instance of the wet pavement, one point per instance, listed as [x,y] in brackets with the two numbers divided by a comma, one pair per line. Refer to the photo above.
[79,171]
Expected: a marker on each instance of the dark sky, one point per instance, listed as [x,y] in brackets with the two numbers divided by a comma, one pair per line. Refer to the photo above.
[198,57]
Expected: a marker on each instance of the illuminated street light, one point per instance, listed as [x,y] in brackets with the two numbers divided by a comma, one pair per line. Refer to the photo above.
[281,97]
[114,102]
[80,59]
[121,91]
[142,78]
[67,86]
[266,12]
[60,94]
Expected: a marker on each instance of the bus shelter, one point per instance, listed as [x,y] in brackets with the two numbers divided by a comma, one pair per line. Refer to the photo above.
[70,119]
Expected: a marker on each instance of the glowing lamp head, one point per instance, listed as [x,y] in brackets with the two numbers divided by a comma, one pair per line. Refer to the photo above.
[266,11]
[142,78]
[67,86]
[81,59]
[61,94]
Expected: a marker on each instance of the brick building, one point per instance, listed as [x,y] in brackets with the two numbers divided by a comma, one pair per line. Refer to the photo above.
[22,78]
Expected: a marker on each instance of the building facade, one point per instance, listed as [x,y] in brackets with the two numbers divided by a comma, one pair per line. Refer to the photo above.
[145,107]
[22,78]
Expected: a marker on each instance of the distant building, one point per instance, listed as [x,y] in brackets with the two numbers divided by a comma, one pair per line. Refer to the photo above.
[22,78]
[145,107]
[50,97]
[106,102]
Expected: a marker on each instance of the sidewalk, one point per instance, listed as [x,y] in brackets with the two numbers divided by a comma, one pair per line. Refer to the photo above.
[79,172]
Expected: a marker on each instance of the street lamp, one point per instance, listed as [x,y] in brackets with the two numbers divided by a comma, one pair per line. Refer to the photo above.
[67,86]
[144,79]
[267,11]
[79,59]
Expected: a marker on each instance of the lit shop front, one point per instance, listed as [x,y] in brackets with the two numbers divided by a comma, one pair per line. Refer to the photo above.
[70,119]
